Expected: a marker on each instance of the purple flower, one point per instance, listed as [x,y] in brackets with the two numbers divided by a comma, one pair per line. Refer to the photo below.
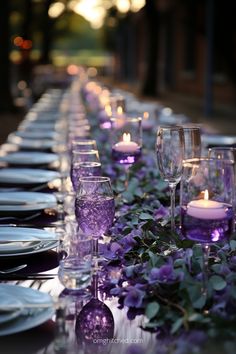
[190,342]
[113,251]
[135,349]
[128,241]
[134,297]
[161,213]
[165,274]
[232,262]
[224,270]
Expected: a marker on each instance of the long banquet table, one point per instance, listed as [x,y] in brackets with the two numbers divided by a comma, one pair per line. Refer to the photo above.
[124,317]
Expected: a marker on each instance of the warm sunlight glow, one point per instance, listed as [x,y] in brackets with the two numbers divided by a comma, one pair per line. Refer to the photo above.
[56,9]
[92,71]
[206,195]
[137,5]
[72,69]
[123,5]
[119,110]
[108,110]
[126,137]
[91,10]
[18,41]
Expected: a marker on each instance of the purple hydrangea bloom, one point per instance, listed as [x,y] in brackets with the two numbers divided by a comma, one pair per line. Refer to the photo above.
[134,297]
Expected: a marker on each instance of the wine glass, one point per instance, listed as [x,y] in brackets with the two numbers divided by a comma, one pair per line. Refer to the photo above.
[170,155]
[84,163]
[94,321]
[225,153]
[192,140]
[95,207]
[206,200]
[84,145]
[222,152]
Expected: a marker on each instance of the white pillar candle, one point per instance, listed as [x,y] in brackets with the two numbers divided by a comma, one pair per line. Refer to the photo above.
[206,209]
[126,146]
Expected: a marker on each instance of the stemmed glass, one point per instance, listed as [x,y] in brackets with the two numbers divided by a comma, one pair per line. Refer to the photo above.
[84,145]
[84,163]
[95,208]
[225,153]
[192,139]
[206,200]
[170,155]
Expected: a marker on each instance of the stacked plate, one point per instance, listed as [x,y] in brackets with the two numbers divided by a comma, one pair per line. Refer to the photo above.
[25,202]
[21,241]
[33,158]
[26,176]
[22,308]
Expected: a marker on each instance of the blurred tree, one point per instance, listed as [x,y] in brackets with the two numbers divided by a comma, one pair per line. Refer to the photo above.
[25,67]
[152,24]
[6,101]
[46,27]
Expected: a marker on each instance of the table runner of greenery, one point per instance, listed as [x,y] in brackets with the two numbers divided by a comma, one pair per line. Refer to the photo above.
[161,273]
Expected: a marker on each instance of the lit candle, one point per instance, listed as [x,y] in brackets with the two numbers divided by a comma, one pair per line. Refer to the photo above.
[146,121]
[126,145]
[206,209]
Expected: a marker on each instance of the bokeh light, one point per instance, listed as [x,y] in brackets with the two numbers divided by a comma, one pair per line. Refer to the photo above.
[56,9]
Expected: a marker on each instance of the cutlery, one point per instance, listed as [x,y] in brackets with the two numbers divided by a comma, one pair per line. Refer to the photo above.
[12,276]
[26,306]
[13,270]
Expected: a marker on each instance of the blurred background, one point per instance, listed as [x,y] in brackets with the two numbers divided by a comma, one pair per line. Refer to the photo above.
[181,53]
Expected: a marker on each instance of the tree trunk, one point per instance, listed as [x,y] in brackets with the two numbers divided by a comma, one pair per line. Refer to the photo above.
[46,34]
[152,23]
[6,101]
[26,64]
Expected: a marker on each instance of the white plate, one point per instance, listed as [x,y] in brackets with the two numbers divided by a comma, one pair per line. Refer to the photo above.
[26,176]
[39,144]
[20,241]
[8,314]
[36,317]
[18,246]
[40,125]
[29,157]
[19,202]
[36,134]
[220,140]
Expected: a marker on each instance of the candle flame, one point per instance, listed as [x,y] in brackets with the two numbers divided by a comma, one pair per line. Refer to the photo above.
[108,110]
[206,194]
[126,137]
[119,110]
[145,115]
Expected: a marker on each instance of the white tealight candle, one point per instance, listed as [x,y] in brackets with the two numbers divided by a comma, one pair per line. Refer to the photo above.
[126,146]
[206,209]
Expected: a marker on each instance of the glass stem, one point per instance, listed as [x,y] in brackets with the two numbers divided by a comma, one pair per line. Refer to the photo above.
[95,254]
[95,247]
[127,167]
[172,205]
[205,253]
[95,285]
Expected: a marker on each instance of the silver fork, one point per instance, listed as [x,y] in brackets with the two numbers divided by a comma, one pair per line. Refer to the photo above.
[12,270]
